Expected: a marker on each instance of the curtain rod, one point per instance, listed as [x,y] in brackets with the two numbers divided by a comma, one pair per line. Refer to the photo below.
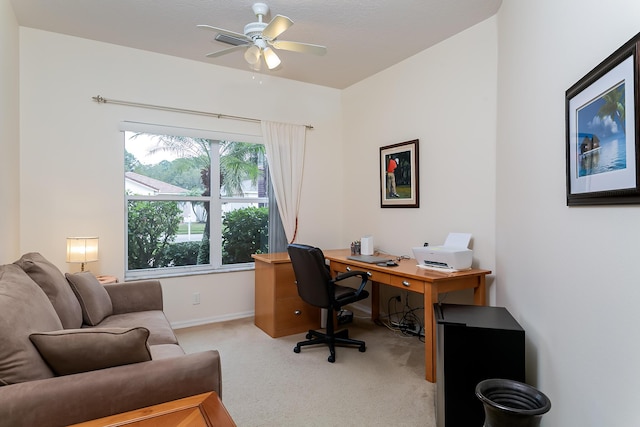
[100,100]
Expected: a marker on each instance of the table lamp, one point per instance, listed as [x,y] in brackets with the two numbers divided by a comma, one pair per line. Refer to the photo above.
[82,250]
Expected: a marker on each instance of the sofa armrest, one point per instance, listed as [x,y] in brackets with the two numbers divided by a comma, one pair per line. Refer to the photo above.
[139,295]
[81,397]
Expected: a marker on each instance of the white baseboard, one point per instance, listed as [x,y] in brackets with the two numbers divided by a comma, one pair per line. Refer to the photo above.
[207,320]
[363,308]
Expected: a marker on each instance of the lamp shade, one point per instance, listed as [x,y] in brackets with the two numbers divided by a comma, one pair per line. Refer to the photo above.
[82,249]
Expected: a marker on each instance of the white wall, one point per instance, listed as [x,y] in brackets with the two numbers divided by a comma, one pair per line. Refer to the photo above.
[567,274]
[445,97]
[71,168]
[9,134]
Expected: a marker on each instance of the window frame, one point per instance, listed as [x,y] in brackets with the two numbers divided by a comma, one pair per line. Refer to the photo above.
[215,200]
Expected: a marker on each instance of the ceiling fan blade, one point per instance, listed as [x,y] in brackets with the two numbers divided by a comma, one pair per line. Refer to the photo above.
[223,31]
[299,47]
[225,51]
[277,26]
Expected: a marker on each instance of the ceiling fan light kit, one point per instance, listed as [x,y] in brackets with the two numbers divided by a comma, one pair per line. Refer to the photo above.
[252,55]
[259,40]
[270,58]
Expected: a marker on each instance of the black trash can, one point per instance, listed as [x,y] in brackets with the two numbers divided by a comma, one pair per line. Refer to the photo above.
[509,403]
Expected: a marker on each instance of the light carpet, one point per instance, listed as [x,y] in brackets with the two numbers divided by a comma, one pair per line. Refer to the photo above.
[264,383]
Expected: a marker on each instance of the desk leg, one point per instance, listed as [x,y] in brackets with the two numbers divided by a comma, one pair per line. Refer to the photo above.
[375,301]
[480,292]
[430,297]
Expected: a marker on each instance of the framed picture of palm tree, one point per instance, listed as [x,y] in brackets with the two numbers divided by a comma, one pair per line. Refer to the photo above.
[602,142]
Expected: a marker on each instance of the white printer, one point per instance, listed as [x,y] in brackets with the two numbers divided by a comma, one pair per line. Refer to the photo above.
[454,255]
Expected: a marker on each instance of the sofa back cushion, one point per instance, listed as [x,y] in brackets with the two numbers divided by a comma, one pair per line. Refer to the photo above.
[93,297]
[55,286]
[24,309]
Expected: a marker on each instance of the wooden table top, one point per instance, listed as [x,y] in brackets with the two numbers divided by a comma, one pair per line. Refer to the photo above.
[204,410]
[406,266]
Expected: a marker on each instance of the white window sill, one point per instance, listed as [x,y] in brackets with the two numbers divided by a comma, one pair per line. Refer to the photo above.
[154,273]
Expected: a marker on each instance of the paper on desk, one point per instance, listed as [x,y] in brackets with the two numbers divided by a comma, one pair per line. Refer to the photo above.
[441,269]
[458,240]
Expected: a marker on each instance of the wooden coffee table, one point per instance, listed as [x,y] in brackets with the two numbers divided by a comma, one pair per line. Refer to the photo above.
[201,410]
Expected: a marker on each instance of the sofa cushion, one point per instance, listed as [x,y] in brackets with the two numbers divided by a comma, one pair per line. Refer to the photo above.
[94,299]
[24,309]
[165,351]
[53,283]
[155,321]
[70,351]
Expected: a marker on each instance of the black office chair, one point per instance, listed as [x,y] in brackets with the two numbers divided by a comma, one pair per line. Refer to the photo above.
[318,288]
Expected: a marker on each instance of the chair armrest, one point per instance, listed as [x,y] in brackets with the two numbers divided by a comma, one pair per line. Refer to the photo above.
[364,276]
[76,398]
[139,295]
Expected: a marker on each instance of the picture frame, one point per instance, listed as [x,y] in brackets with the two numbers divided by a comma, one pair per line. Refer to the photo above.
[399,175]
[602,141]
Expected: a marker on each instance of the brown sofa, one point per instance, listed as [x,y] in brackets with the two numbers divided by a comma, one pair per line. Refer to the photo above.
[72,349]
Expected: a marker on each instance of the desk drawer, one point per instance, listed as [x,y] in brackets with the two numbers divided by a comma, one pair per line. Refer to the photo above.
[286,281]
[374,276]
[407,284]
[292,315]
[339,267]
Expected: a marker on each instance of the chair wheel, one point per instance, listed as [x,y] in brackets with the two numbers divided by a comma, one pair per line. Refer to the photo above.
[362,349]
[296,349]
[332,358]
[308,336]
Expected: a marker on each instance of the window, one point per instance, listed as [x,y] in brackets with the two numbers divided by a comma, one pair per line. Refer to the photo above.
[175,222]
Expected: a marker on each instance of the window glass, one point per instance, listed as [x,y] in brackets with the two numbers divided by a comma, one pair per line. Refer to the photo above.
[175,223]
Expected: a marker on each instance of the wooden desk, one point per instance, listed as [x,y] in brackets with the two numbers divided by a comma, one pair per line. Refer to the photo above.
[409,277]
[279,311]
[204,410]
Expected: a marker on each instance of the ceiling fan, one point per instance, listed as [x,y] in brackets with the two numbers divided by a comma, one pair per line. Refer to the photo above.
[260,38]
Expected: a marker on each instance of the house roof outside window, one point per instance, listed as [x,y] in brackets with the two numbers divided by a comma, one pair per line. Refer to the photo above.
[146,186]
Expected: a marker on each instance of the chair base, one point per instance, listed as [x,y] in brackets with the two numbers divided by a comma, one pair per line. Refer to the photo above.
[340,338]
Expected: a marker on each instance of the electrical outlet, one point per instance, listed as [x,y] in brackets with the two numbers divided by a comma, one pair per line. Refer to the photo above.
[195,299]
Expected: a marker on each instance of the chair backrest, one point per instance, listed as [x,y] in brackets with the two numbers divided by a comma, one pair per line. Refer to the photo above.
[312,276]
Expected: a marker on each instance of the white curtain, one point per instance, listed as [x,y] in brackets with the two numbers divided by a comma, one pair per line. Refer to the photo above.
[284,146]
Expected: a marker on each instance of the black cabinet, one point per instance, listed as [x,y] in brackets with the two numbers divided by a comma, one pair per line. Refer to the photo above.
[474,343]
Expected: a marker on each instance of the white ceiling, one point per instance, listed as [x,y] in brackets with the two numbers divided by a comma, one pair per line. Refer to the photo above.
[362,37]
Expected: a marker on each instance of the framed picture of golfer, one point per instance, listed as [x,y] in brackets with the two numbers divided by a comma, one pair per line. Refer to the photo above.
[399,175]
